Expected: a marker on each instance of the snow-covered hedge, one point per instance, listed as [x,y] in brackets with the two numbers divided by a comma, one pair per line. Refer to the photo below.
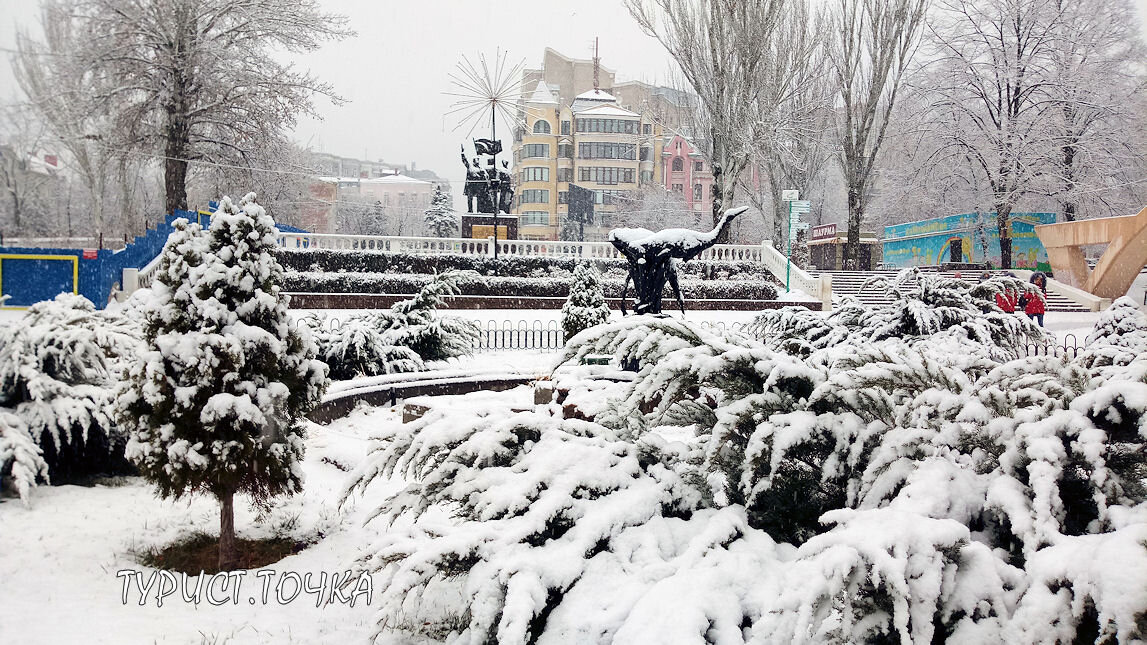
[478,285]
[57,365]
[336,261]
[919,487]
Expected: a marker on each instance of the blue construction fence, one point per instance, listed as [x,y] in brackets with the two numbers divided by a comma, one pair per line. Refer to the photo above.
[31,275]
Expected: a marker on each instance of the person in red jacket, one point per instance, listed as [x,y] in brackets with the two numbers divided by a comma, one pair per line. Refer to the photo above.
[1034,306]
[1006,300]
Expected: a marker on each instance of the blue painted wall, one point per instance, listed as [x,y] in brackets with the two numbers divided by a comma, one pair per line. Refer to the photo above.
[30,280]
[929,242]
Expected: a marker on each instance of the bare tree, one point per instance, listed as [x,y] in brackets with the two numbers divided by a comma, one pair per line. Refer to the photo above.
[992,100]
[62,90]
[654,207]
[195,79]
[1096,63]
[22,183]
[792,144]
[874,41]
[720,47]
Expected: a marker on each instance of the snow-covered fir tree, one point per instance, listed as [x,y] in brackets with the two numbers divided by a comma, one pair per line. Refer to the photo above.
[585,306]
[439,220]
[214,404]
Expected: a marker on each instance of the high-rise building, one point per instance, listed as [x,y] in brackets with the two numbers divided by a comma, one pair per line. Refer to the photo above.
[578,133]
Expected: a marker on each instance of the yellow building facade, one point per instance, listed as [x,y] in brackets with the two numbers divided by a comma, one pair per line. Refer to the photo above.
[594,143]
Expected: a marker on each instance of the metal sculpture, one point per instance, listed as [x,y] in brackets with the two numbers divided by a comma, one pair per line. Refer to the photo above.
[652,258]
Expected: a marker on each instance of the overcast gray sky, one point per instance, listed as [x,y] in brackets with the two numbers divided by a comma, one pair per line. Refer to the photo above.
[396,70]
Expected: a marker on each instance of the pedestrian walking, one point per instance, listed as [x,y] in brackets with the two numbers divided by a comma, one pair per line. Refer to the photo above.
[1034,306]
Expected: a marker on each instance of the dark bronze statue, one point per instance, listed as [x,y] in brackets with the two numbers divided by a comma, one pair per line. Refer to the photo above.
[475,189]
[651,259]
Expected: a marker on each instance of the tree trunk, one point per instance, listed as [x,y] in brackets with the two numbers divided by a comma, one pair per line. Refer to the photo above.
[719,197]
[1069,204]
[852,248]
[175,172]
[1003,216]
[228,552]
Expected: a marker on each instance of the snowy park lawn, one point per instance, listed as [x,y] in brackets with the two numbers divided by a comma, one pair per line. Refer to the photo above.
[59,558]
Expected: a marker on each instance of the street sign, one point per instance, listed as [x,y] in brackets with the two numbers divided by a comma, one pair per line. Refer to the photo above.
[790,195]
[800,206]
[801,226]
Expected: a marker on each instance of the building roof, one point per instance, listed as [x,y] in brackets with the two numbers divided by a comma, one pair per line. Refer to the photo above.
[542,94]
[596,95]
[608,110]
[395,179]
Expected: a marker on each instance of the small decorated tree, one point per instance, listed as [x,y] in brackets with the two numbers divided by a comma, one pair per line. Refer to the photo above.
[214,403]
[440,216]
[585,306]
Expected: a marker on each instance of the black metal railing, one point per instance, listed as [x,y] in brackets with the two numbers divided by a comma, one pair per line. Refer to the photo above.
[505,335]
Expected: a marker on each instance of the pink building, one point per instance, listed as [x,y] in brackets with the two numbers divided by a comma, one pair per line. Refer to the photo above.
[687,172]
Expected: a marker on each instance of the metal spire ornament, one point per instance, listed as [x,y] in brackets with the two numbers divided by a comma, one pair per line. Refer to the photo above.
[489,89]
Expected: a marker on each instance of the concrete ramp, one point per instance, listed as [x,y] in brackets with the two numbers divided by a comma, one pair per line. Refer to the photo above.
[1126,254]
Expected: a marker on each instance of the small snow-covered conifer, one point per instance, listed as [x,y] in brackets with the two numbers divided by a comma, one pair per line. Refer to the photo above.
[215,401]
[440,216]
[585,306]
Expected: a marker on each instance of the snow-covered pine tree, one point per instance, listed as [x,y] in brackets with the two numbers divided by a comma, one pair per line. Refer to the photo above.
[585,306]
[359,348]
[215,401]
[415,323]
[440,216]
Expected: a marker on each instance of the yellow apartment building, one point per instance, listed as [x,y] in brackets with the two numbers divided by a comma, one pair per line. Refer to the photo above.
[594,143]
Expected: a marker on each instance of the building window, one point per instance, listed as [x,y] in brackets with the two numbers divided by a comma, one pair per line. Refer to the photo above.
[535,196]
[678,165]
[696,192]
[647,128]
[609,126]
[601,150]
[565,174]
[536,174]
[678,188]
[565,150]
[605,175]
[646,177]
[610,197]
[644,153]
[563,197]
[535,218]
[536,150]
[541,126]
[565,127]
[698,165]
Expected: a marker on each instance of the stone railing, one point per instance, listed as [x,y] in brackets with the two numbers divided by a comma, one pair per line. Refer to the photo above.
[818,287]
[440,245]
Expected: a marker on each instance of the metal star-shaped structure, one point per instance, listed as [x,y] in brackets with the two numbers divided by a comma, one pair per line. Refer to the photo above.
[487,90]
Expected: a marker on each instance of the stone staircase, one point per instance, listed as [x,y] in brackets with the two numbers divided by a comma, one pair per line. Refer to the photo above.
[847,283]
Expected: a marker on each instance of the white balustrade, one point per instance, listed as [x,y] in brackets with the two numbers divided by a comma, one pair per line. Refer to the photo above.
[819,287]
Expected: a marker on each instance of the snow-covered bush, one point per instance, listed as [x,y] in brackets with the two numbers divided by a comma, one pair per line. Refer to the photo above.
[1119,336]
[866,488]
[585,306]
[924,307]
[415,323]
[57,365]
[360,348]
[21,460]
[214,402]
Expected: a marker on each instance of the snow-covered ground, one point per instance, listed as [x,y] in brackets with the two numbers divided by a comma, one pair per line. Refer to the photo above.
[59,559]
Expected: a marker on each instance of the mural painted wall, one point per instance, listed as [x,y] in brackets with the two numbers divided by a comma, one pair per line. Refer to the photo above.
[974,237]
